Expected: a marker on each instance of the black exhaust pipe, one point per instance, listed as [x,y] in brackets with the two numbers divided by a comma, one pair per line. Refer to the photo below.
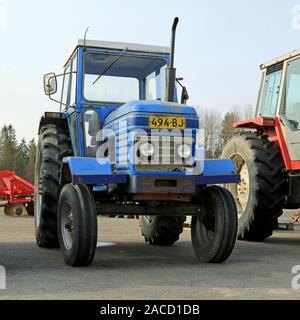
[171,71]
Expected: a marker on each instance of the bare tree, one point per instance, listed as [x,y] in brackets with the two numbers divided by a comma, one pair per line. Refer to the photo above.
[217,130]
[210,121]
[237,113]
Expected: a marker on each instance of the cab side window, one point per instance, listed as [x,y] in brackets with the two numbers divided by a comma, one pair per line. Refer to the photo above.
[91,122]
[292,96]
[65,91]
[68,97]
[270,93]
[73,82]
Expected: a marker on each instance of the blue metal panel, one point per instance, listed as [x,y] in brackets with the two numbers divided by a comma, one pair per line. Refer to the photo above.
[218,172]
[127,120]
[90,171]
[150,107]
[222,179]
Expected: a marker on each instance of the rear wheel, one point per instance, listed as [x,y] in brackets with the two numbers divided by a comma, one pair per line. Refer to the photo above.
[214,232]
[54,144]
[162,230]
[260,194]
[77,225]
[14,210]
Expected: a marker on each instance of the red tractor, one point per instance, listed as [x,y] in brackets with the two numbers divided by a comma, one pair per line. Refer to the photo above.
[16,194]
[267,155]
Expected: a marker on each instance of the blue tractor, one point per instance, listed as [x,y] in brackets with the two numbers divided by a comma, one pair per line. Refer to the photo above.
[122,144]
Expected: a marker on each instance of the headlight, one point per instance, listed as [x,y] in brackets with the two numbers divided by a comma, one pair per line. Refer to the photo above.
[146,149]
[184,151]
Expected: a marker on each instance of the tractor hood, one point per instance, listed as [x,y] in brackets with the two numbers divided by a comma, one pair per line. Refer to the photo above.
[142,108]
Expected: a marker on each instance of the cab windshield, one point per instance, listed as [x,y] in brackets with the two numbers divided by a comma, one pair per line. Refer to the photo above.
[130,77]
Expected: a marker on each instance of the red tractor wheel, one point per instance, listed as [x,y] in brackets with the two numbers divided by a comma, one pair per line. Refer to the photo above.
[14,210]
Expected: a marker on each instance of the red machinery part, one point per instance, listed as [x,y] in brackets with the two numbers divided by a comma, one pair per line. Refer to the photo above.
[15,192]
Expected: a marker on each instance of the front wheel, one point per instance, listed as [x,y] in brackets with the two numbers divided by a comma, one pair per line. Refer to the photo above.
[214,232]
[77,225]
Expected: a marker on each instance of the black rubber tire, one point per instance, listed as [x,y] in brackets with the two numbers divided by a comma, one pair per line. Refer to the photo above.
[30,208]
[163,230]
[80,200]
[214,232]
[14,210]
[54,144]
[267,183]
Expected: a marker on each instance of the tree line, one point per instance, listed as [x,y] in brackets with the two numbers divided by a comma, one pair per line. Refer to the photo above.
[218,129]
[18,157]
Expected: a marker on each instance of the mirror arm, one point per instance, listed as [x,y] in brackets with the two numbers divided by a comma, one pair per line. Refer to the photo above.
[185,96]
[49,96]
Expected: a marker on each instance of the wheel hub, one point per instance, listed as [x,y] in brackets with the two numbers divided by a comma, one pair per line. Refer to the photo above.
[148,219]
[241,190]
[243,187]
[67,225]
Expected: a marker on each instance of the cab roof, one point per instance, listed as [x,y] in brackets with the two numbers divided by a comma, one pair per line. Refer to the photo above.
[135,47]
[282,58]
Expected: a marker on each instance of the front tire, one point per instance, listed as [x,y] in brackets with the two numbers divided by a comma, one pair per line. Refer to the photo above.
[162,230]
[77,225]
[214,232]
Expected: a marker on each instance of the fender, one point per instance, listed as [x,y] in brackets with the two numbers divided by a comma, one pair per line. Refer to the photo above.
[79,170]
[271,127]
[58,118]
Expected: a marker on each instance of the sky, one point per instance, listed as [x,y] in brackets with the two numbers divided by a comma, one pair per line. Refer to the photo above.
[219,46]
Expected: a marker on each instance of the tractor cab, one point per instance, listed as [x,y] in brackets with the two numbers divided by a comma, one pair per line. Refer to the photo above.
[278,106]
[280,97]
[268,156]
[100,77]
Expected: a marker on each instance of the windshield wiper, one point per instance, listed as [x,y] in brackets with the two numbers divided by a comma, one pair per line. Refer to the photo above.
[111,64]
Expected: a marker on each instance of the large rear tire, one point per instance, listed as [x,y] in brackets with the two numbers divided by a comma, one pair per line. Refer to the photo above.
[214,231]
[77,225]
[162,230]
[260,195]
[54,144]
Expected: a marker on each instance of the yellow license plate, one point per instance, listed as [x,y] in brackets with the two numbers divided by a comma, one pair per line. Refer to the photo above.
[161,122]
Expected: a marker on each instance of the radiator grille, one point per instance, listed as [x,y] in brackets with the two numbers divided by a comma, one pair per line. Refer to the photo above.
[166,157]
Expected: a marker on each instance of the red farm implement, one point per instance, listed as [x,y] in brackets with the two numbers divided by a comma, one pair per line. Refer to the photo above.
[16,194]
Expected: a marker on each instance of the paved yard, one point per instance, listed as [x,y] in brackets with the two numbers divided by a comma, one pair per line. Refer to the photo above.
[132,269]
